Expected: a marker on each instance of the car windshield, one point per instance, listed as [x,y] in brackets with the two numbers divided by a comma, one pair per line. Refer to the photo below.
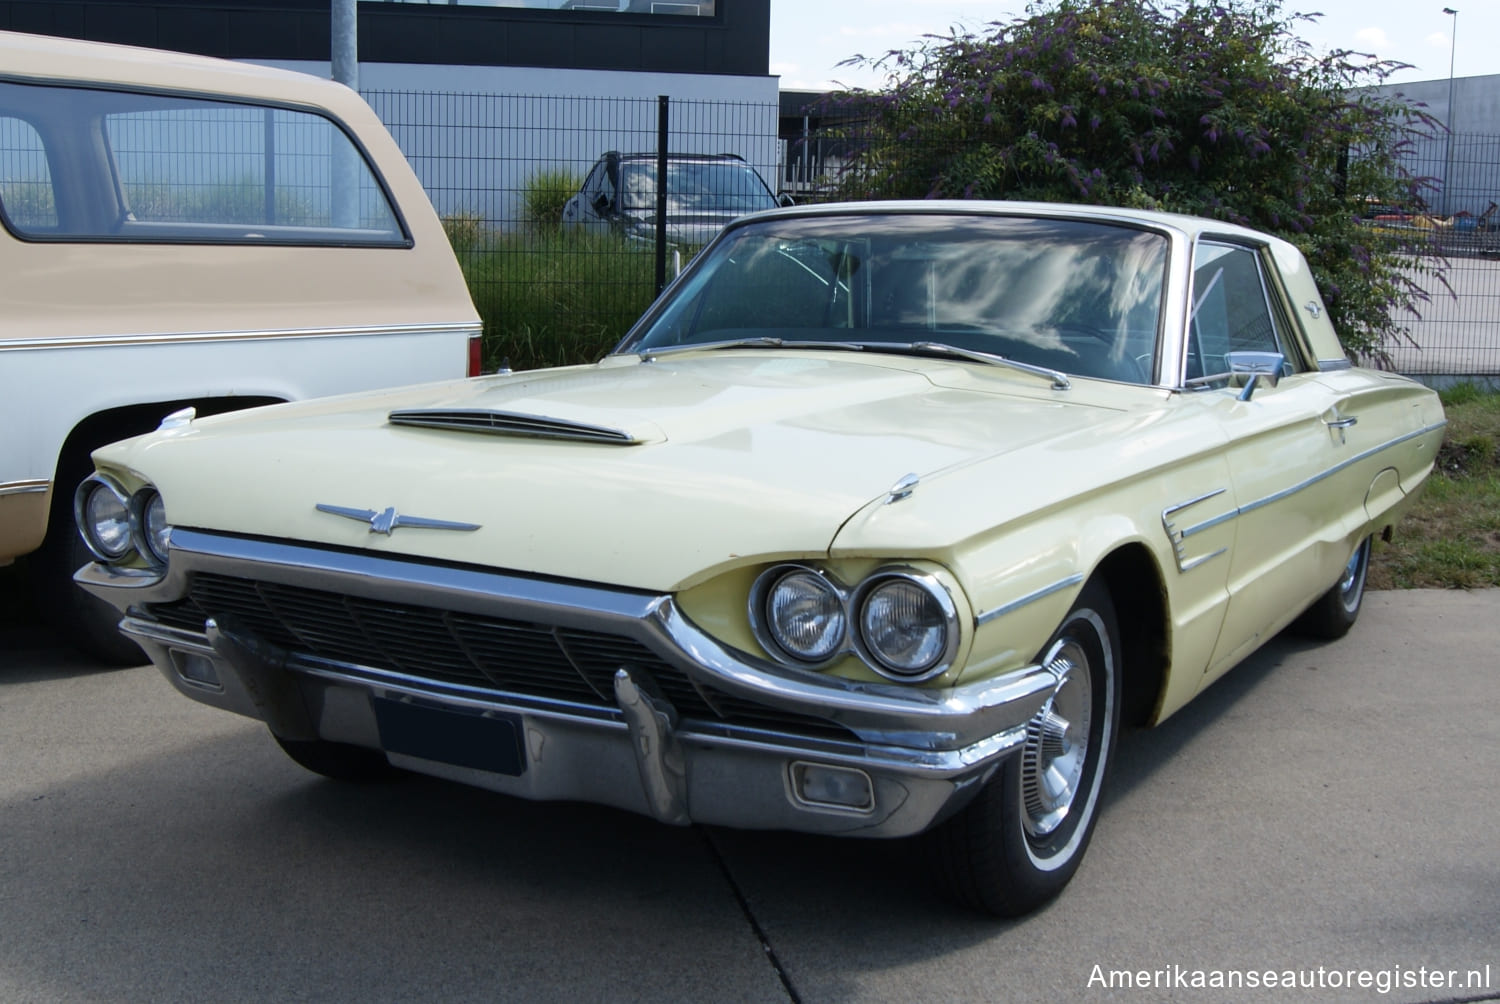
[708,186]
[1074,297]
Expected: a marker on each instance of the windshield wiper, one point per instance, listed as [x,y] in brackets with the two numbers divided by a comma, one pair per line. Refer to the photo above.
[763,342]
[1059,379]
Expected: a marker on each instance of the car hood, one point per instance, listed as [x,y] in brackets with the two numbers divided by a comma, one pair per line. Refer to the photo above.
[652,475]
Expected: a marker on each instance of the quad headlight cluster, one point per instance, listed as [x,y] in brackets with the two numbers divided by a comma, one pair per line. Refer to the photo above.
[902,622]
[116,525]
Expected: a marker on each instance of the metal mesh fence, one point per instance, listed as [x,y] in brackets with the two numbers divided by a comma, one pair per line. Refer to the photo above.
[553,206]
[1457,332]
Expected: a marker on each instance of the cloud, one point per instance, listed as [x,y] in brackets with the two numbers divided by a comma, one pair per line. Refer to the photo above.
[1374,38]
[1438,40]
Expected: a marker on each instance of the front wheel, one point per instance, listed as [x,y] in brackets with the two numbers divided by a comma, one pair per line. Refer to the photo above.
[1335,611]
[1017,845]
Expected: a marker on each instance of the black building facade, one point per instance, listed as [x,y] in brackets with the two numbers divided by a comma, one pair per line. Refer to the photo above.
[728,37]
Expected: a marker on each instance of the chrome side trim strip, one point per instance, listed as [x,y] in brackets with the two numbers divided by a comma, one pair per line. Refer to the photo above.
[1329,365]
[25,487]
[1336,468]
[95,341]
[1177,537]
[1029,598]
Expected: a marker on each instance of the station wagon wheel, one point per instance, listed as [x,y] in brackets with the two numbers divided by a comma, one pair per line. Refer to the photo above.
[1335,611]
[1017,845]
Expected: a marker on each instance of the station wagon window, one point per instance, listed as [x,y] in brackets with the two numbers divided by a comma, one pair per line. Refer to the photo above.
[1231,311]
[25,179]
[125,166]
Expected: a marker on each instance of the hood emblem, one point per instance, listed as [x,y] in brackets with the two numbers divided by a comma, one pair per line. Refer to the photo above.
[389,519]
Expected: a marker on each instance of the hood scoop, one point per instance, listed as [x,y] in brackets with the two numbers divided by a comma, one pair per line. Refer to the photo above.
[507,423]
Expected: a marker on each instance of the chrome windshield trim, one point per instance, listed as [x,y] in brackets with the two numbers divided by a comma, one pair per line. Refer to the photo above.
[94,341]
[25,487]
[1032,597]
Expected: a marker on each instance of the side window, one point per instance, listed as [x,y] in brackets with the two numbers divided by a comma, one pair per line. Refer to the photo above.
[176,169]
[25,177]
[1230,310]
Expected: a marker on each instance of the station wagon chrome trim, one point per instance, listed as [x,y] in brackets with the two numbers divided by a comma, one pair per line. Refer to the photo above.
[95,341]
[24,487]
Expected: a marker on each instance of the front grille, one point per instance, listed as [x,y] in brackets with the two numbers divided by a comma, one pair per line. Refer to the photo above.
[491,653]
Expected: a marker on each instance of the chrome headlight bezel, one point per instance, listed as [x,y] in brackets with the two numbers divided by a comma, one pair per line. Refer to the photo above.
[98,486]
[945,622]
[141,516]
[853,603]
[149,528]
[772,635]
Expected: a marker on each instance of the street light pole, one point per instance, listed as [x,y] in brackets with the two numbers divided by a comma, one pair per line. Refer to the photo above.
[1448,158]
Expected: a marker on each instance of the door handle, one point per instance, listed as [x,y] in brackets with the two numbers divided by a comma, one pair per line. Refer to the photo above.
[1342,424]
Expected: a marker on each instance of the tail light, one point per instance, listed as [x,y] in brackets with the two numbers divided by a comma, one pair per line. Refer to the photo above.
[476,356]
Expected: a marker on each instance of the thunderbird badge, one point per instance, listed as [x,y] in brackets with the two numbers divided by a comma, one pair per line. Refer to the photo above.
[389,519]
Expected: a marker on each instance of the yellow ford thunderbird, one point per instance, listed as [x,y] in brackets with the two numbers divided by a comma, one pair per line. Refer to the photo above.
[883,520]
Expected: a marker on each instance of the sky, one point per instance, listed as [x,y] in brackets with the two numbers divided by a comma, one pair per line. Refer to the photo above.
[809,38]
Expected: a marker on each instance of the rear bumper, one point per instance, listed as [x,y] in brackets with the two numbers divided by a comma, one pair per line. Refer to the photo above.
[898,760]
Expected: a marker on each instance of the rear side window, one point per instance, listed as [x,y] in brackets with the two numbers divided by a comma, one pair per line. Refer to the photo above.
[167,169]
[25,179]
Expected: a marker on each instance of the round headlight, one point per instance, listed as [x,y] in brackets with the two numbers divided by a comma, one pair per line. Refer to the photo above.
[149,522]
[908,626]
[805,615]
[103,519]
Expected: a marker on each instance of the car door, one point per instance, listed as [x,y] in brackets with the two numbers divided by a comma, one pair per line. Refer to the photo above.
[1292,446]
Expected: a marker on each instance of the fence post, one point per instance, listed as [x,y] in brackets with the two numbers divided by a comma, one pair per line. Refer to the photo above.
[662,108]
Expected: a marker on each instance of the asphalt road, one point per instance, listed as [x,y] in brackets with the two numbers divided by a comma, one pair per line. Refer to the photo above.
[1328,807]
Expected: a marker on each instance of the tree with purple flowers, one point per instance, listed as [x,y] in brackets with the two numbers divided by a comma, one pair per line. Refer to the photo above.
[1216,109]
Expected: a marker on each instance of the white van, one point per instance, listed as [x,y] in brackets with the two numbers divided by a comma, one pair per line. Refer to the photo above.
[177,232]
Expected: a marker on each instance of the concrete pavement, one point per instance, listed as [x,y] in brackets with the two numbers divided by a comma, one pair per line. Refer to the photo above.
[1328,806]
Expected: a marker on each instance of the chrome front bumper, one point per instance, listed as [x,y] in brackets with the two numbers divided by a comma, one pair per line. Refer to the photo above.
[905,757]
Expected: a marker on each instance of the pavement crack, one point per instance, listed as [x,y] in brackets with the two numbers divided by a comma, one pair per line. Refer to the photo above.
[750,918]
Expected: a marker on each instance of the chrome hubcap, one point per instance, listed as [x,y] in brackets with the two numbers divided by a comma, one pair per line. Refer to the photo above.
[1057,744]
[1351,585]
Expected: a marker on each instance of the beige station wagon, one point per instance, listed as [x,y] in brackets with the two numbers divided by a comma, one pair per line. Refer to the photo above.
[180,232]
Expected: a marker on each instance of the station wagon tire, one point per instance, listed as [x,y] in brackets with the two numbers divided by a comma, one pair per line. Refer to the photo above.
[1016,846]
[1335,611]
[86,622]
[339,761]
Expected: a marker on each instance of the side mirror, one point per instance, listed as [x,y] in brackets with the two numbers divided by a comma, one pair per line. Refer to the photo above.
[1255,366]
[602,204]
[785,199]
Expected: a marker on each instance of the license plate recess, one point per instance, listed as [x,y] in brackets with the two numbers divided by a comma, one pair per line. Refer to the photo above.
[479,740]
